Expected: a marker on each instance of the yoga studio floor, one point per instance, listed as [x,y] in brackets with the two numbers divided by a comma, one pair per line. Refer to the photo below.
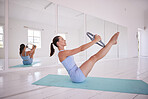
[18,84]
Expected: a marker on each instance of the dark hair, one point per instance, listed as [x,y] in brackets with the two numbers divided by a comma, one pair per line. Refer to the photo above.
[54,41]
[22,46]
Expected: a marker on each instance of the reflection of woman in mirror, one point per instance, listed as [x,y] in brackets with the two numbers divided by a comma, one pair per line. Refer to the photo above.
[78,74]
[27,56]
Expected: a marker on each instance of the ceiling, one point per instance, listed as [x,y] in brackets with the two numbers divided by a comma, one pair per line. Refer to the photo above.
[35,11]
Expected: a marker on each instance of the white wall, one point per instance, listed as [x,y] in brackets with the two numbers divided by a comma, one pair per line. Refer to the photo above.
[144,37]
[129,13]
[143,43]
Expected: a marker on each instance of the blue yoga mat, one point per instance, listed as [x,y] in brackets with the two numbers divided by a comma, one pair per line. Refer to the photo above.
[21,65]
[97,83]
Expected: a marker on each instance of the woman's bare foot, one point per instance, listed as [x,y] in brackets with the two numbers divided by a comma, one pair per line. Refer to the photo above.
[114,38]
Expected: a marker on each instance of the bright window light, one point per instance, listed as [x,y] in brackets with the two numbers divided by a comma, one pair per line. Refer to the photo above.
[1,37]
[34,37]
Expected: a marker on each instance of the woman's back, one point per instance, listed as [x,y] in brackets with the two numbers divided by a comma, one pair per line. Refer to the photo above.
[24,57]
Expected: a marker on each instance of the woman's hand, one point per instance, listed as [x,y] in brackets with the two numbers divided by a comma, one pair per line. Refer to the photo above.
[97,38]
[34,46]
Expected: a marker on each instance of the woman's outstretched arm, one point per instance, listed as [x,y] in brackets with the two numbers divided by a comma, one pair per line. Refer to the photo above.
[82,47]
[32,50]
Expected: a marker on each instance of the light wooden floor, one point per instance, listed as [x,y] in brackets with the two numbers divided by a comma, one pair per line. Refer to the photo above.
[18,85]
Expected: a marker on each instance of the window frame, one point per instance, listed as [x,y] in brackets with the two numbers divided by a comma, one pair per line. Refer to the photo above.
[35,37]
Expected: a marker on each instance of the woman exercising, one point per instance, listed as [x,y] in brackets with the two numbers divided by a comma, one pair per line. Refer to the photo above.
[79,74]
[27,56]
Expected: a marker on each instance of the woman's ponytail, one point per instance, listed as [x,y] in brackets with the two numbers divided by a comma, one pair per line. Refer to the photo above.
[22,46]
[52,50]
[54,41]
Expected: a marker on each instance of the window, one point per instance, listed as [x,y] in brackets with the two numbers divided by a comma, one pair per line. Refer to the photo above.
[34,37]
[1,37]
